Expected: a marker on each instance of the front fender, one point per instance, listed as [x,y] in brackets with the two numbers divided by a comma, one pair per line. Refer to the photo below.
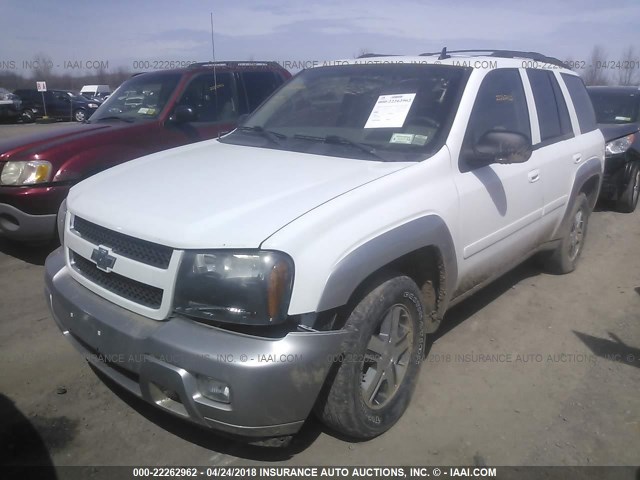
[368,258]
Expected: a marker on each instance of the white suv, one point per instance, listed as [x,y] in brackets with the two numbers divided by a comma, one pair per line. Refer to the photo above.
[299,262]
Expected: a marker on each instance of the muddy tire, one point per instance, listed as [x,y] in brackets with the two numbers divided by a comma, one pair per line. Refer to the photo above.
[379,368]
[566,255]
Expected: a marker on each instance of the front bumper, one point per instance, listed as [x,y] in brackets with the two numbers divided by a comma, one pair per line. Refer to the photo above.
[29,213]
[274,382]
[18,225]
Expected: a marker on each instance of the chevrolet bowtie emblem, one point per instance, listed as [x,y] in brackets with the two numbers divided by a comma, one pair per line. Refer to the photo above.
[104,261]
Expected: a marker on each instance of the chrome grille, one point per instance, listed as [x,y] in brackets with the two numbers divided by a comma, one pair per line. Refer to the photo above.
[142,251]
[132,290]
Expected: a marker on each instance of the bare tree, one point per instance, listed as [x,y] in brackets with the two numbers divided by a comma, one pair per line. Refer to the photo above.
[42,66]
[595,72]
[628,71]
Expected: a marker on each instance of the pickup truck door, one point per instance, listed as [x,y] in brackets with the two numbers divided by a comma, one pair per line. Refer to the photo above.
[500,204]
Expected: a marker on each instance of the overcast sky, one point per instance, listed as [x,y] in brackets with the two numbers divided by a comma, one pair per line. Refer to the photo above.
[122,31]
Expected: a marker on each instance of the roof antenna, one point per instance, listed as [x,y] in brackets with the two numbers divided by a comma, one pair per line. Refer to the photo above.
[215,78]
[443,54]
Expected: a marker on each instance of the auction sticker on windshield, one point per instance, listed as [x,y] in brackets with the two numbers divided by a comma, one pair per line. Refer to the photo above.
[390,111]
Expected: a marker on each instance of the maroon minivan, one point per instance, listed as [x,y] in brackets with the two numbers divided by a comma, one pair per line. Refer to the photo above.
[147,113]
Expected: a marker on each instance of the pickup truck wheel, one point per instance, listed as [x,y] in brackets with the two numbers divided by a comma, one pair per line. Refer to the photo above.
[565,257]
[629,197]
[379,367]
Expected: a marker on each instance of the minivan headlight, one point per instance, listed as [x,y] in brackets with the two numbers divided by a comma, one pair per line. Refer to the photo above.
[618,146]
[251,287]
[25,172]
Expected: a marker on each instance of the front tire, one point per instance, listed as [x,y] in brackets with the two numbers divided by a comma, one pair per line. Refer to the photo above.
[629,197]
[565,257]
[379,367]
[80,115]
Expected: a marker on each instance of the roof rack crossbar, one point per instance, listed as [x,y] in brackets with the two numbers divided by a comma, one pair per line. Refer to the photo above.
[234,63]
[371,55]
[506,54]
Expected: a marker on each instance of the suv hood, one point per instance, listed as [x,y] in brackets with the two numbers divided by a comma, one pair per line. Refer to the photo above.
[611,131]
[214,195]
[24,147]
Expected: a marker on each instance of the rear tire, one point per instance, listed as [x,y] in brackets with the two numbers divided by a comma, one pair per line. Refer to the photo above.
[565,257]
[629,197]
[379,368]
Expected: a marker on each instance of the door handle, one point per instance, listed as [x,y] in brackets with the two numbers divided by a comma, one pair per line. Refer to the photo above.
[577,158]
[534,176]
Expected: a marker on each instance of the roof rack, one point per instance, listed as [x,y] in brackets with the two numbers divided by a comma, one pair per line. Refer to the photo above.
[248,63]
[538,57]
[371,55]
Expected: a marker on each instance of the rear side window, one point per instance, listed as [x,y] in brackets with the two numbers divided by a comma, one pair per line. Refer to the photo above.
[553,115]
[500,105]
[258,86]
[581,102]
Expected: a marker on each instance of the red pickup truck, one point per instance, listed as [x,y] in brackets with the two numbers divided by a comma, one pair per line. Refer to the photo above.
[147,113]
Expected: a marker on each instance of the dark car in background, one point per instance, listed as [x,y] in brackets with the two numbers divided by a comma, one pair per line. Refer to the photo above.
[618,115]
[148,113]
[10,105]
[60,104]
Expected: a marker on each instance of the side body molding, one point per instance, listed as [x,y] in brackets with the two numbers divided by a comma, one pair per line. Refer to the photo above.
[369,257]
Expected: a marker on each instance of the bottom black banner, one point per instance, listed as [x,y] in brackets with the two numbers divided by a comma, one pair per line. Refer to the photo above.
[319,472]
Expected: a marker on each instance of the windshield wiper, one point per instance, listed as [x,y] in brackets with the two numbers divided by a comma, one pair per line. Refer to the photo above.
[114,117]
[338,140]
[274,137]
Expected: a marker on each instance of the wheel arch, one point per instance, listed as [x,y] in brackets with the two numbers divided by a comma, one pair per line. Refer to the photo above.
[421,249]
[587,180]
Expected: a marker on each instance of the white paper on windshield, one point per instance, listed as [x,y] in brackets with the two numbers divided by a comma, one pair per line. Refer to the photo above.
[390,111]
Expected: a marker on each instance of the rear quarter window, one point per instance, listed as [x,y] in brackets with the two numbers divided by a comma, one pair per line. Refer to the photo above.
[581,102]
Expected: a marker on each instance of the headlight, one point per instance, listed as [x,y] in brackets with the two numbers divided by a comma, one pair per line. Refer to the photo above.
[244,287]
[25,173]
[62,215]
[618,146]
[93,105]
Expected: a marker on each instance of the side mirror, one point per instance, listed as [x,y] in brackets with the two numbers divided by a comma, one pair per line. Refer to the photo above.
[183,114]
[497,146]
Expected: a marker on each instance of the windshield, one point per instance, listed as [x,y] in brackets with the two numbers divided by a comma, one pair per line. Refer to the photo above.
[615,107]
[139,98]
[388,112]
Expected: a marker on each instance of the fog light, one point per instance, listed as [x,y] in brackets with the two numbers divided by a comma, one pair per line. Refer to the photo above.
[214,390]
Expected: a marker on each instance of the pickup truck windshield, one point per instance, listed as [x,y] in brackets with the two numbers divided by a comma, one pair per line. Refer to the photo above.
[140,98]
[388,112]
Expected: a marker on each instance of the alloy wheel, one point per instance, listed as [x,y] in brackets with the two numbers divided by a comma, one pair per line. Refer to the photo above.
[387,357]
